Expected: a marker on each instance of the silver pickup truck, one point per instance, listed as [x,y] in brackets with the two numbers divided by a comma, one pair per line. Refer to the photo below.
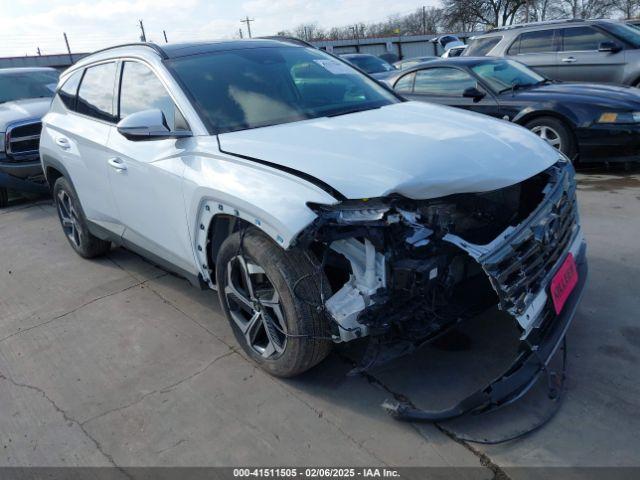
[25,96]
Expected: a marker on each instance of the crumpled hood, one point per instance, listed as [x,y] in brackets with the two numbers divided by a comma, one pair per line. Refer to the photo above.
[414,149]
[26,109]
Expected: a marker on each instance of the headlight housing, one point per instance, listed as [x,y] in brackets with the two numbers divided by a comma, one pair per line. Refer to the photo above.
[619,117]
[352,211]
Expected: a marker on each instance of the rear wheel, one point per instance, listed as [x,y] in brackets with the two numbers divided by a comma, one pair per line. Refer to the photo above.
[74,223]
[270,298]
[4,197]
[556,133]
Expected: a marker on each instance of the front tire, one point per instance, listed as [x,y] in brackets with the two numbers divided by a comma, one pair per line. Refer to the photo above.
[4,197]
[556,133]
[281,330]
[74,223]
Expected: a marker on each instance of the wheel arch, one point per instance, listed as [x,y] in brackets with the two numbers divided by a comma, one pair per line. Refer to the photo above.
[527,116]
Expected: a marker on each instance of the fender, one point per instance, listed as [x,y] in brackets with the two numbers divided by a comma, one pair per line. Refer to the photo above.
[550,109]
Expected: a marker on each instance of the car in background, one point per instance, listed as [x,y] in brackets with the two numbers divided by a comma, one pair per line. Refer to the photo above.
[413,61]
[454,51]
[25,96]
[589,122]
[374,66]
[603,51]
[634,22]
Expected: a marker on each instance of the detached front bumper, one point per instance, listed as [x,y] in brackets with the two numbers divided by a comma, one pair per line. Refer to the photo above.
[537,349]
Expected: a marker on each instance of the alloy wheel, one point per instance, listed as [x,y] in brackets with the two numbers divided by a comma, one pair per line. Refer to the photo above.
[254,305]
[549,135]
[69,218]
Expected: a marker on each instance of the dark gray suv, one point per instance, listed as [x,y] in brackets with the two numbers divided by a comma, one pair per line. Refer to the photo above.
[569,50]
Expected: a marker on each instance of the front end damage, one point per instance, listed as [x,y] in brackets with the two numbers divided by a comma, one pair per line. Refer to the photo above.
[405,271]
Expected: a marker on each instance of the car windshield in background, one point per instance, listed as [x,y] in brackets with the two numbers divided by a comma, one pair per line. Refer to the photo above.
[250,88]
[371,64]
[17,86]
[503,75]
[624,31]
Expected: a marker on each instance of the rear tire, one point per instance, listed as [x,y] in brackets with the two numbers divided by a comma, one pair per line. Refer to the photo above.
[4,197]
[284,339]
[74,223]
[556,133]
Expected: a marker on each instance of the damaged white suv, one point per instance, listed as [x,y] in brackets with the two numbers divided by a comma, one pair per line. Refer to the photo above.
[322,207]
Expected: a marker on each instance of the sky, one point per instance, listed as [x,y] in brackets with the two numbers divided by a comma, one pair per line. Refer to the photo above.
[26,25]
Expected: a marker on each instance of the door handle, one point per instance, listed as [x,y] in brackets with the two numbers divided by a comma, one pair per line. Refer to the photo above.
[63,143]
[117,164]
[569,60]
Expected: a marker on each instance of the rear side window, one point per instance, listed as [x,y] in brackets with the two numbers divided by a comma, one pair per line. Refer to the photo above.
[69,90]
[582,39]
[533,42]
[480,47]
[95,97]
[405,84]
[449,82]
[142,90]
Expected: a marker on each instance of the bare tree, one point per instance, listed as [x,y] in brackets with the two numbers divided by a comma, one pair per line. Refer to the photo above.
[588,8]
[628,8]
[541,10]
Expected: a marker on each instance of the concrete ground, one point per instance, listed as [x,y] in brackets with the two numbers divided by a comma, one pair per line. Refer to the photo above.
[115,362]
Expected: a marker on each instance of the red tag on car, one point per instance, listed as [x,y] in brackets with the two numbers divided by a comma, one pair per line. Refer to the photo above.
[563,282]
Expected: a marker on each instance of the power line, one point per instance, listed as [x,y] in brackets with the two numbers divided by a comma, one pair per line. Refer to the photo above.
[248,21]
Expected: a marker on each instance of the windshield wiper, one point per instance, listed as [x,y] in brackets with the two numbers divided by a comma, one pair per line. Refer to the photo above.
[351,110]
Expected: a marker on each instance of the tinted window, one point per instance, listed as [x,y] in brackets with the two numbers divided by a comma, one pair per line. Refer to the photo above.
[479,47]
[370,64]
[533,42]
[582,38]
[142,90]
[24,84]
[256,87]
[449,82]
[405,84]
[95,97]
[68,91]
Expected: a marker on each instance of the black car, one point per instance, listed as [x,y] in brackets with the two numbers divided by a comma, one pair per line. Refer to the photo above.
[589,122]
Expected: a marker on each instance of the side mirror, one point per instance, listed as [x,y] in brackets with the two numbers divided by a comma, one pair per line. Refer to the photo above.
[608,46]
[475,93]
[148,125]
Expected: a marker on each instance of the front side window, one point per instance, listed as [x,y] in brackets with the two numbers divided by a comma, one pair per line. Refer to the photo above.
[256,87]
[540,41]
[95,97]
[479,47]
[582,39]
[448,82]
[627,32]
[140,90]
[405,84]
[34,84]
[69,90]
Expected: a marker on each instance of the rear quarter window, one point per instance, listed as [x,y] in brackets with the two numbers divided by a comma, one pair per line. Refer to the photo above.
[481,46]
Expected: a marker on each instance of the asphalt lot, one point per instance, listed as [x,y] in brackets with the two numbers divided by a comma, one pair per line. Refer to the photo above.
[115,362]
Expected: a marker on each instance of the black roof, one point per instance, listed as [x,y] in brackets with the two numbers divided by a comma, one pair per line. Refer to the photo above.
[183,49]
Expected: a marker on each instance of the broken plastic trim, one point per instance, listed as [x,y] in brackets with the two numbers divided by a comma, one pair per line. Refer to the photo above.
[518,379]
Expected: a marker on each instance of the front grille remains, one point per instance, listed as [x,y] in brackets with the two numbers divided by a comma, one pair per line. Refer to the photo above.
[22,141]
[521,267]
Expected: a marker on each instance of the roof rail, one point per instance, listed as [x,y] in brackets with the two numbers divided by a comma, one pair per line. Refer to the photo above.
[284,38]
[151,45]
[535,24]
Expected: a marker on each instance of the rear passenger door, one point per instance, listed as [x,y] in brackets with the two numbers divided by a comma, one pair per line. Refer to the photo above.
[446,85]
[537,49]
[146,176]
[581,61]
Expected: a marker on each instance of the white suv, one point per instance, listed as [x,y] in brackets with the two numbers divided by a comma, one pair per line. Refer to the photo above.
[322,207]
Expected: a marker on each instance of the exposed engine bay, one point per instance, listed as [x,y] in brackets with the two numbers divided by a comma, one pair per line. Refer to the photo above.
[404,271]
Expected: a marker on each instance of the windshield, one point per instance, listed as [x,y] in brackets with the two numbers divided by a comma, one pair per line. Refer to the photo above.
[371,64]
[256,87]
[19,85]
[623,31]
[503,75]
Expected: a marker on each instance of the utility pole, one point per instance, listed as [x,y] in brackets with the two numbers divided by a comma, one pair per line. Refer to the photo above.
[143,37]
[240,32]
[39,53]
[424,20]
[165,36]
[66,41]
[248,21]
